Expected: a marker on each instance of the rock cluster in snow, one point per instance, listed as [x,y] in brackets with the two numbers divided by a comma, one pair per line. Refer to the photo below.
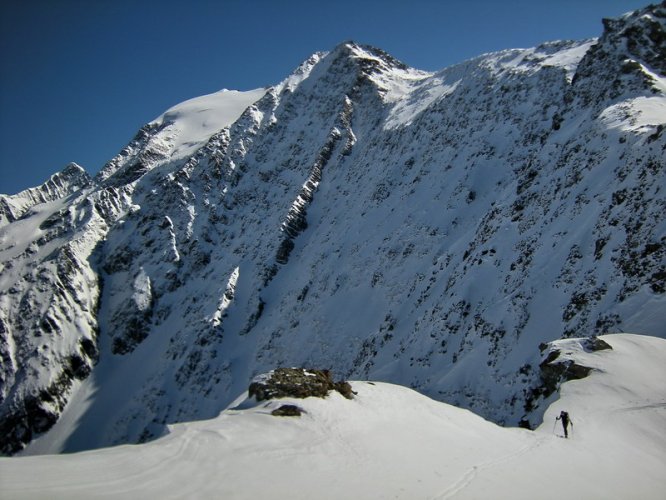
[392,442]
[556,367]
[297,383]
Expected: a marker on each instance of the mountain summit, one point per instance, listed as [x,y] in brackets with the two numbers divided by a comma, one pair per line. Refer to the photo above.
[428,229]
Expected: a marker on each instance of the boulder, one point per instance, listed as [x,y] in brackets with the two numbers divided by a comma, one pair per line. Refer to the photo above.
[287,411]
[297,383]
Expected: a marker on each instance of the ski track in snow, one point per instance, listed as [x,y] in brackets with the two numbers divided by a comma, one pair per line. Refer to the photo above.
[469,476]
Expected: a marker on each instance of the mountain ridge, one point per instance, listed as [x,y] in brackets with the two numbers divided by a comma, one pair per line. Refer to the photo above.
[423,228]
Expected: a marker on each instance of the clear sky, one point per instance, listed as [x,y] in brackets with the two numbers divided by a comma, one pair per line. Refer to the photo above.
[78,78]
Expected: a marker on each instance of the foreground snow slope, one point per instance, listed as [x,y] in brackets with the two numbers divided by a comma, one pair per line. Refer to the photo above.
[391,442]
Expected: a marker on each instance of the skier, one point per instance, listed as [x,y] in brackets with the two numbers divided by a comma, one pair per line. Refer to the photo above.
[564,417]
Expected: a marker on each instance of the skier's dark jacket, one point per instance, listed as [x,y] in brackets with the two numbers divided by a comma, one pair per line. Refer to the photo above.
[565,418]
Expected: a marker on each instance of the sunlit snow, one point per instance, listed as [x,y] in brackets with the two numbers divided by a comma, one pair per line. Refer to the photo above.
[195,120]
[391,442]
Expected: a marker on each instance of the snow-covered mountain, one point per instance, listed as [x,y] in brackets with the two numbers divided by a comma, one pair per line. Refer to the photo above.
[391,442]
[427,229]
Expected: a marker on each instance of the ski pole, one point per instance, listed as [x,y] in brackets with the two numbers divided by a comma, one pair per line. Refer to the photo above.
[554,424]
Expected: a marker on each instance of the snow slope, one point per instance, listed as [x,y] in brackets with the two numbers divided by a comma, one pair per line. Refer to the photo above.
[391,442]
[192,122]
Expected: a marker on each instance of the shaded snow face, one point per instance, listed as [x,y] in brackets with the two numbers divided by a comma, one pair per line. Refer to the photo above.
[387,223]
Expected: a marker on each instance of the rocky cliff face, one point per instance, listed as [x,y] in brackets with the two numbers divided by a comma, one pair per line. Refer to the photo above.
[430,229]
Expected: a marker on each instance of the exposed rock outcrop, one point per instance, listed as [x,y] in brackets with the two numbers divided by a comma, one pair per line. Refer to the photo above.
[297,383]
[288,411]
[555,368]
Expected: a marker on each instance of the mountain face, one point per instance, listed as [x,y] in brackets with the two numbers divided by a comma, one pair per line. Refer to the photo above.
[428,229]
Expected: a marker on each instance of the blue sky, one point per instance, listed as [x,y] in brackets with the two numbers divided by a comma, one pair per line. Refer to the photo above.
[78,78]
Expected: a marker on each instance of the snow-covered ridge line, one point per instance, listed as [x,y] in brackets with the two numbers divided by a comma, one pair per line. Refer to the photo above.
[69,180]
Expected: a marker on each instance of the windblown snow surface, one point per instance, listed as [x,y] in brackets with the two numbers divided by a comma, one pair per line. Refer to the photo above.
[391,442]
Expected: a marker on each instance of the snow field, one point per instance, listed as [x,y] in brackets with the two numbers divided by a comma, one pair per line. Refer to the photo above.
[196,119]
[391,442]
